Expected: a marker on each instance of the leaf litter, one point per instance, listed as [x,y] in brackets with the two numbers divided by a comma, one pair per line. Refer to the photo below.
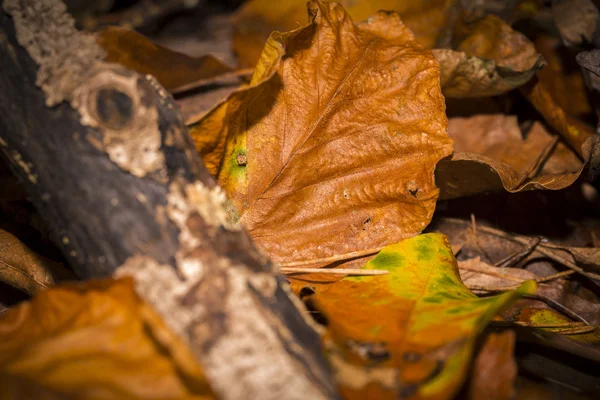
[334,144]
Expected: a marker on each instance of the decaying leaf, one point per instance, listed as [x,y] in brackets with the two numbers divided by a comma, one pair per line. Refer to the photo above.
[488,58]
[96,340]
[490,154]
[552,321]
[561,77]
[494,370]
[25,270]
[579,136]
[256,19]
[331,149]
[576,20]
[479,276]
[175,71]
[408,334]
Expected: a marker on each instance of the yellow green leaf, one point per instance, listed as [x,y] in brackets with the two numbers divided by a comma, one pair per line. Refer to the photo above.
[550,320]
[26,270]
[96,340]
[408,333]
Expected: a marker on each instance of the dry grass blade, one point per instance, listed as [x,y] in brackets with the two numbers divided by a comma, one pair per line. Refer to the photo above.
[340,271]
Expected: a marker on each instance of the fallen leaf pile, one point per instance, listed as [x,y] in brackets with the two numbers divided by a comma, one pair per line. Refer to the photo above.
[411,141]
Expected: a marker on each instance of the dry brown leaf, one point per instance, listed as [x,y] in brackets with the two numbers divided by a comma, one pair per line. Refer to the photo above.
[25,270]
[96,340]
[490,154]
[175,71]
[488,58]
[494,369]
[576,20]
[331,149]
[256,19]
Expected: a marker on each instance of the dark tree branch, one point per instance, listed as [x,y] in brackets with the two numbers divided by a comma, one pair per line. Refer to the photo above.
[107,160]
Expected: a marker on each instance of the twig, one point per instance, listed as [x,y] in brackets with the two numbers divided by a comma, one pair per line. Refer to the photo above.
[554,325]
[517,257]
[330,260]
[541,249]
[332,271]
[552,303]
[538,164]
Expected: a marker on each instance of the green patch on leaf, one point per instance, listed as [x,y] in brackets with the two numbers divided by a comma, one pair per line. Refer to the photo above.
[420,308]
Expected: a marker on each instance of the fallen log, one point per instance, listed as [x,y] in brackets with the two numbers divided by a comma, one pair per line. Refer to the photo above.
[107,161]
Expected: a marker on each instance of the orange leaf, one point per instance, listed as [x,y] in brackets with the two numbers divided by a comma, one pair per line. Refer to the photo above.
[96,340]
[331,150]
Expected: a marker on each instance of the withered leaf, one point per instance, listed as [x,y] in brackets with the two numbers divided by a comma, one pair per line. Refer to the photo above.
[494,368]
[478,275]
[581,138]
[256,19]
[175,71]
[487,58]
[576,20]
[408,334]
[490,154]
[331,150]
[26,270]
[551,321]
[561,77]
[96,340]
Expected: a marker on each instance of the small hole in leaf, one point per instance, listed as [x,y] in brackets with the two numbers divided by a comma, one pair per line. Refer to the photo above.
[366,223]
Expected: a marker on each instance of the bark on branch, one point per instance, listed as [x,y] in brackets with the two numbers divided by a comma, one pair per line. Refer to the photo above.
[108,162]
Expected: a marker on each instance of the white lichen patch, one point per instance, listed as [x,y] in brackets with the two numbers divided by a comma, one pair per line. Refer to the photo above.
[71,68]
[210,204]
[184,200]
[64,55]
[134,147]
[264,368]
[26,167]
[161,286]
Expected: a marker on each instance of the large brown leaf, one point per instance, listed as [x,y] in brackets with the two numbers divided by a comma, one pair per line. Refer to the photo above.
[256,19]
[331,150]
[91,341]
[490,154]
[487,58]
